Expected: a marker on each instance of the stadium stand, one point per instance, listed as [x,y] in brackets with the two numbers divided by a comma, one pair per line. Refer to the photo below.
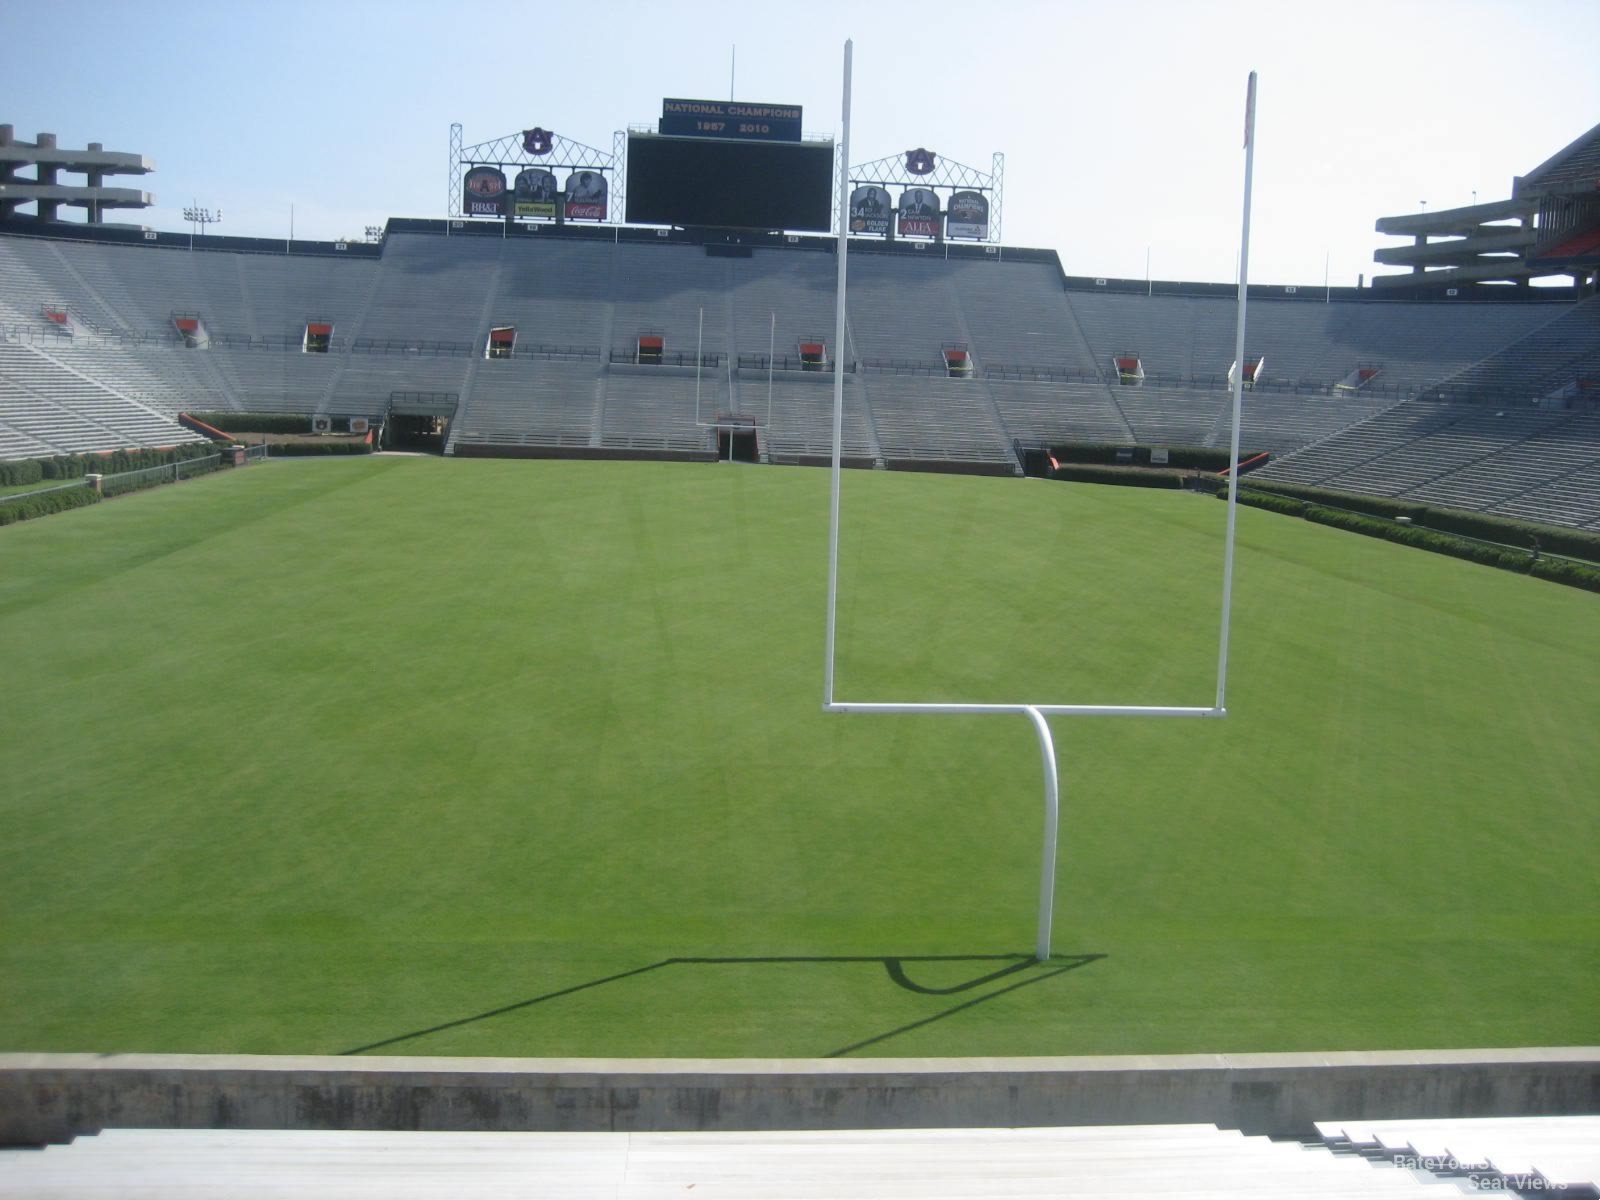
[1505,1155]
[1019,314]
[1348,398]
[533,403]
[1198,1162]
[54,405]
[1545,363]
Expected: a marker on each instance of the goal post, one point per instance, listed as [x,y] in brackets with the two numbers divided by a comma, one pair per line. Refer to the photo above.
[1037,712]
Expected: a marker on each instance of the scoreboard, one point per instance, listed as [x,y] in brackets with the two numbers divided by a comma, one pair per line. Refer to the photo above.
[728,165]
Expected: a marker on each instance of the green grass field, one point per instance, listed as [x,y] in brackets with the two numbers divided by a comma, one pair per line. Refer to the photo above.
[417,756]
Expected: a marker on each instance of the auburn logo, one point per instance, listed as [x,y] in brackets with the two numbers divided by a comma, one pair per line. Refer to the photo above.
[920,161]
[537,141]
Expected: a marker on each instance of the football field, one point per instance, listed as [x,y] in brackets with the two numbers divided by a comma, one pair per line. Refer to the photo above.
[421,756]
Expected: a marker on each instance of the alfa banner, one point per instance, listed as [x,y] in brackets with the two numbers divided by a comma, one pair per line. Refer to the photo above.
[919,213]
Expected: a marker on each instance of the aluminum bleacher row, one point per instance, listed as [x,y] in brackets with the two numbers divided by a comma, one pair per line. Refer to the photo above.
[1196,1162]
[418,318]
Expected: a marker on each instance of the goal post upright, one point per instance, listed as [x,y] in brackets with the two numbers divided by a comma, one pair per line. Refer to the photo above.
[841,254]
[1238,396]
[1037,713]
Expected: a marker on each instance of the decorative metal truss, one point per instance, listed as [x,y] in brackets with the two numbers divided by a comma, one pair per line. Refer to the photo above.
[539,148]
[925,169]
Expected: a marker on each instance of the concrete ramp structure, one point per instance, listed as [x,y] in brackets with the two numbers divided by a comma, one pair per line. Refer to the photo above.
[46,191]
[1549,227]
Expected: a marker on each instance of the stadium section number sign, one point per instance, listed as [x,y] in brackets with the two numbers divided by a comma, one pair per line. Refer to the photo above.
[730,119]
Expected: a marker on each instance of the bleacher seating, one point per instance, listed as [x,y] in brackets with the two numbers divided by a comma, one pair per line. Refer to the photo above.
[1537,464]
[662,409]
[933,419]
[1040,413]
[1195,1162]
[50,404]
[533,403]
[1042,356]
[1017,313]
[1537,365]
[1486,1155]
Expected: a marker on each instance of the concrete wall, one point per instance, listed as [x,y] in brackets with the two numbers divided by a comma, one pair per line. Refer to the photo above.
[53,1097]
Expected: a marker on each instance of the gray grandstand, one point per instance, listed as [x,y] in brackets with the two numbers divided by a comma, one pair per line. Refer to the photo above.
[1485,405]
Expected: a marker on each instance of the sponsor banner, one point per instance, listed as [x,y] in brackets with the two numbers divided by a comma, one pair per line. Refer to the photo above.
[919,213]
[535,193]
[586,196]
[484,191]
[968,216]
[730,119]
[869,209]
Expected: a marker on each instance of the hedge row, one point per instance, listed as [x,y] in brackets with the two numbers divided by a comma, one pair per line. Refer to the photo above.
[1194,458]
[51,502]
[118,487]
[1553,569]
[13,474]
[233,422]
[1573,543]
[285,449]
[76,466]
[1156,477]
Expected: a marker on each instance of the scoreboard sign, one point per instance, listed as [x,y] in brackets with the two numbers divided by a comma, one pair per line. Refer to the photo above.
[730,119]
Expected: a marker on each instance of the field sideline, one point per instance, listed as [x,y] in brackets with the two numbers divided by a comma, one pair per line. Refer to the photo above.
[419,756]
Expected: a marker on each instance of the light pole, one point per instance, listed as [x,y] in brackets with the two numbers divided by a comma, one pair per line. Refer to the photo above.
[374,233]
[202,217]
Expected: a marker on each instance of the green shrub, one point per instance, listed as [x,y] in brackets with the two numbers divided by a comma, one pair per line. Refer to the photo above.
[312,449]
[1158,477]
[1280,504]
[1553,539]
[51,502]
[135,482]
[1574,543]
[234,422]
[15,474]
[1194,458]
[1572,574]
[1422,539]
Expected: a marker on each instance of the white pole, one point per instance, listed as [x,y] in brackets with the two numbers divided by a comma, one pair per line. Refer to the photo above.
[699,344]
[838,377]
[733,65]
[1149,288]
[1238,397]
[772,349]
[1052,823]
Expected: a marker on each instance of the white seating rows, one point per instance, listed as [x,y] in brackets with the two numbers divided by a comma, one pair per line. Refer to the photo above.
[1535,464]
[1184,1162]
[44,401]
[925,418]
[574,302]
[662,412]
[1564,1152]
[523,403]
[1060,412]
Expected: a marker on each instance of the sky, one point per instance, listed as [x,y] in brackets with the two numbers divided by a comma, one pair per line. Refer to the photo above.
[1121,123]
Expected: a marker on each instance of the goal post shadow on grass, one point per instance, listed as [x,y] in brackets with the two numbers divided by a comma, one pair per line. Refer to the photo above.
[993,969]
[1037,713]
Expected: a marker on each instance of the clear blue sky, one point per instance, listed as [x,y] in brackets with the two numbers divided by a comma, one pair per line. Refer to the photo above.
[1120,123]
